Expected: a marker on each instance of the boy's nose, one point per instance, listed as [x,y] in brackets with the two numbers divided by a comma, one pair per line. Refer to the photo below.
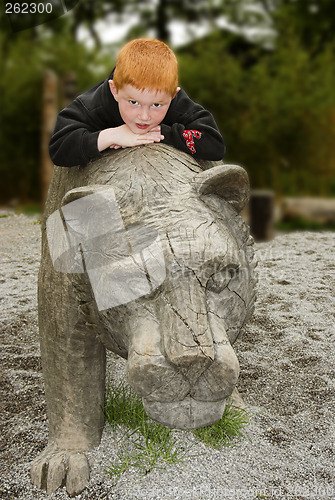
[144,114]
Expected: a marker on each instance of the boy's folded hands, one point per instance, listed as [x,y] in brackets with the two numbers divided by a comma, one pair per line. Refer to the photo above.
[123,137]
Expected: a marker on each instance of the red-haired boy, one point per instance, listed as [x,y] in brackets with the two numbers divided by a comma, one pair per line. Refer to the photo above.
[139,103]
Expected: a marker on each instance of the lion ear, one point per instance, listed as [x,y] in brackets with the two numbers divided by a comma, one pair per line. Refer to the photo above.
[83,191]
[230,182]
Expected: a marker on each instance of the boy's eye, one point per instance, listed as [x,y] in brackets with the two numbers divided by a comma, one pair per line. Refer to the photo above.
[132,101]
[156,105]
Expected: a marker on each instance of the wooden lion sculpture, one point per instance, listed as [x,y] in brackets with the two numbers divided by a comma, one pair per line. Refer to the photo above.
[144,253]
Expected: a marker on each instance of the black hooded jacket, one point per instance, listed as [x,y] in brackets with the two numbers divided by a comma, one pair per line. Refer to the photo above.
[186,126]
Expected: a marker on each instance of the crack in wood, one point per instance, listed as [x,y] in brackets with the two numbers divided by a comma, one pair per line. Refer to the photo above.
[239,296]
[194,336]
[146,355]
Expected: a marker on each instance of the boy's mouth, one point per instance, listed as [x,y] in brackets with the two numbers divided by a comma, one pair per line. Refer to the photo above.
[142,126]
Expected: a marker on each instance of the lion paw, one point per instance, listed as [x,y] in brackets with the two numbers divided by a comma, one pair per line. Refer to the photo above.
[55,468]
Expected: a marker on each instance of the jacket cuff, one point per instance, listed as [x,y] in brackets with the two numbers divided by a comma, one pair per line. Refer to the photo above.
[91,145]
[166,131]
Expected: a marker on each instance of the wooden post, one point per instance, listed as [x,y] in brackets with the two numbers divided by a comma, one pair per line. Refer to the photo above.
[50,108]
[49,115]
[261,208]
[69,88]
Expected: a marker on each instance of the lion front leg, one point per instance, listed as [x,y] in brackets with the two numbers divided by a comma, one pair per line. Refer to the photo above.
[73,361]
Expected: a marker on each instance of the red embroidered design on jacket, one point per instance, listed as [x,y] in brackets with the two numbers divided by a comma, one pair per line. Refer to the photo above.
[189,135]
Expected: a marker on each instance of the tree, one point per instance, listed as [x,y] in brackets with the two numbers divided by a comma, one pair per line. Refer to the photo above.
[25,55]
[276,115]
[312,21]
[155,17]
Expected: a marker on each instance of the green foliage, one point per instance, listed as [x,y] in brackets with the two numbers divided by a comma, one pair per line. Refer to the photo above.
[24,58]
[146,444]
[20,88]
[276,110]
[313,22]
[301,224]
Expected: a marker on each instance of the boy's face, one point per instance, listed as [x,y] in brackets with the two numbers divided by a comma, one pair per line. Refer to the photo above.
[141,110]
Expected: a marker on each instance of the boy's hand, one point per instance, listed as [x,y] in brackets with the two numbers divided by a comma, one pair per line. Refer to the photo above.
[123,137]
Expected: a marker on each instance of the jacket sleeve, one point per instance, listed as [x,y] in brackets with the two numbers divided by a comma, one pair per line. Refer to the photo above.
[74,140]
[194,130]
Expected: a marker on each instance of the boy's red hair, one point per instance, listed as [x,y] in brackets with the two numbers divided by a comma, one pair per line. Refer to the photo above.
[147,64]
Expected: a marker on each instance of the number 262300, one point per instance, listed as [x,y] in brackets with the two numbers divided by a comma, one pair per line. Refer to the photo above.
[28,8]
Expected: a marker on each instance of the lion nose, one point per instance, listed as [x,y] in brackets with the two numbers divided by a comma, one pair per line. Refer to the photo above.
[187,338]
[199,348]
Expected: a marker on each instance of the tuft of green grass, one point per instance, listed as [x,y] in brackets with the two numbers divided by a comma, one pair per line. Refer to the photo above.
[123,406]
[5,212]
[147,445]
[29,209]
[231,426]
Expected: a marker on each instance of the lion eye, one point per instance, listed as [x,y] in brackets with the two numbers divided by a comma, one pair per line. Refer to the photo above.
[220,280]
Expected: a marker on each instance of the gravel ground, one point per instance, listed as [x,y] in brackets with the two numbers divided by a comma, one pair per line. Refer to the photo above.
[287,381]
